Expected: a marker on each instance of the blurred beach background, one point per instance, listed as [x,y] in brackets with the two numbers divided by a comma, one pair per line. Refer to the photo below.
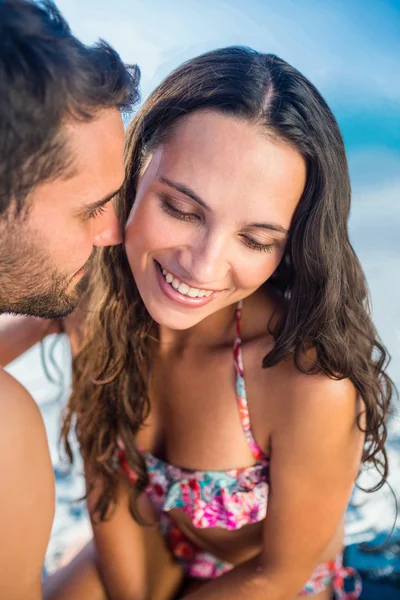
[350,49]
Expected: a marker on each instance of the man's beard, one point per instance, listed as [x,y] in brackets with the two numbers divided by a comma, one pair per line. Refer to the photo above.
[29,283]
[54,303]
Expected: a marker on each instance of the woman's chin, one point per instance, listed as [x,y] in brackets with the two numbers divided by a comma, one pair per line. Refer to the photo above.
[176,319]
[176,324]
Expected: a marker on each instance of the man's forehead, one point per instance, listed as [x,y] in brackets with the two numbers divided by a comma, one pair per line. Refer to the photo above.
[99,140]
[103,123]
[96,155]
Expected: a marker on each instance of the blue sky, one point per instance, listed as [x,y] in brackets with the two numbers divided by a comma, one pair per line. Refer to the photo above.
[350,49]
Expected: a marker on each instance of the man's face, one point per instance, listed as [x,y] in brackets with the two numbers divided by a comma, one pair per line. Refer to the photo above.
[43,254]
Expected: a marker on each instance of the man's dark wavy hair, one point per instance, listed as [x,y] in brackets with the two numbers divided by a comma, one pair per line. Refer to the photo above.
[46,76]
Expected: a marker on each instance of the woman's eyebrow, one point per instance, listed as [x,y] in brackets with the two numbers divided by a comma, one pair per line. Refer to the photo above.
[180,187]
[270,226]
[183,189]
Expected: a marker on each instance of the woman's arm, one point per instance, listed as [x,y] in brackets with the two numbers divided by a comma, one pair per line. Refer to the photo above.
[133,560]
[316,451]
[27,493]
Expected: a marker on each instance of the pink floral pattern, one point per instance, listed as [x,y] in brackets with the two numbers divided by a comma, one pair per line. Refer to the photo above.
[227,499]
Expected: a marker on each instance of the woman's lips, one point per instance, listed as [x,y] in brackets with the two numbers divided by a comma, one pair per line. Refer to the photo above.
[173,294]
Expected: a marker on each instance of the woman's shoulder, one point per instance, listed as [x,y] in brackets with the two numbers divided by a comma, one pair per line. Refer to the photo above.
[307,392]
[290,404]
[284,394]
[261,313]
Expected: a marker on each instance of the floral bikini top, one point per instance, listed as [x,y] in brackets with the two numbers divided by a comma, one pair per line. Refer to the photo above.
[228,499]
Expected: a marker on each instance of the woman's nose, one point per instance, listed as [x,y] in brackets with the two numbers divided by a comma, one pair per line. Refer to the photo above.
[206,262]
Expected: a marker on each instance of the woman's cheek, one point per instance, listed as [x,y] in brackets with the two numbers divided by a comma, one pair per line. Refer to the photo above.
[137,228]
[251,276]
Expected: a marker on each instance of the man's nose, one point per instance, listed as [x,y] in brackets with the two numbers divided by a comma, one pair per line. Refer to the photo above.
[108,231]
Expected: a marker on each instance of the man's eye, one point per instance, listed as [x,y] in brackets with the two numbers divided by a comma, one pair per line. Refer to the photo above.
[96,212]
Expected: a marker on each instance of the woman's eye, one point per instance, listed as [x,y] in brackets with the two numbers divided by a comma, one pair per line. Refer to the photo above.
[178,214]
[256,245]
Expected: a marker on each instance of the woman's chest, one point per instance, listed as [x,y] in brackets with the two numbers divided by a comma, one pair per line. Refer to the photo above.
[195,419]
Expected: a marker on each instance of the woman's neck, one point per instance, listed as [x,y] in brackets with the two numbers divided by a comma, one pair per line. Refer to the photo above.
[217,329]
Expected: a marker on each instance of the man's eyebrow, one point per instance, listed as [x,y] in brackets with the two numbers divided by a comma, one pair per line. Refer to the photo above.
[183,189]
[101,202]
[180,187]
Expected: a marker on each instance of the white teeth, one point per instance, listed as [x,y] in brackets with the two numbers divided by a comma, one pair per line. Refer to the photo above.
[183,288]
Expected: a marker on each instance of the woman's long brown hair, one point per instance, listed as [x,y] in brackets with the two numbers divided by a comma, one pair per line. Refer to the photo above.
[319,277]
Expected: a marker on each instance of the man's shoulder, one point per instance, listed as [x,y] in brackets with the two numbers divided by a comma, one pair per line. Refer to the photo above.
[17,408]
[23,439]
[9,385]
[27,496]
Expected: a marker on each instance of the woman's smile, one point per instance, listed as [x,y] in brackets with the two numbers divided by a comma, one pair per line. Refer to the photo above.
[177,290]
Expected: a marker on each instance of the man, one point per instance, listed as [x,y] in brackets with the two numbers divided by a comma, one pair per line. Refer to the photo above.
[61,162]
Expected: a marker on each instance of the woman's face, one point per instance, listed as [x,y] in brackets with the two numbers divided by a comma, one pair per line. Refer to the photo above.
[211,215]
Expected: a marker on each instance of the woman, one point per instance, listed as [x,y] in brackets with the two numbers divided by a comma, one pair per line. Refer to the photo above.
[237,378]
